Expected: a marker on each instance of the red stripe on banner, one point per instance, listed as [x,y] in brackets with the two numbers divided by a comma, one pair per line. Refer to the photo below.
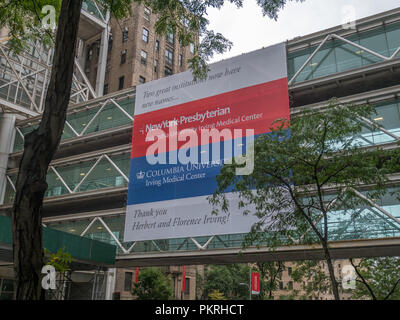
[137,275]
[183,278]
[255,283]
[254,108]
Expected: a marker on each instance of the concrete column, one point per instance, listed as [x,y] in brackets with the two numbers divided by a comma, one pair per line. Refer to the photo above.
[101,66]
[7,136]
[110,285]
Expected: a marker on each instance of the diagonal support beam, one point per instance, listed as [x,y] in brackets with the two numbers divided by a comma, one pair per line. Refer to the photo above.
[373,204]
[19,79]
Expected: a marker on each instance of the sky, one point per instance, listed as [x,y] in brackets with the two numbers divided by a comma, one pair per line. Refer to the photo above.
[249,30]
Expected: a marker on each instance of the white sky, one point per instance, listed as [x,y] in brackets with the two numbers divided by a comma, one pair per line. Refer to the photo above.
[249,30]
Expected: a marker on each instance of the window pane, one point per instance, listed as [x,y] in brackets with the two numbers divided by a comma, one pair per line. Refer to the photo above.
[169,56]
[324,62]
[145,35]
[296,61]
[374,40]
[128,281]
[393,37]
[348,56]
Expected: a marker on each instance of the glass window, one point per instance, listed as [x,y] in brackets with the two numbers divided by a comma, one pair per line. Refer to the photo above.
[180,60]
[142,79]
[123,56]
[155,65]
[187,285]
[146,13]
[169,56]
[105,89]
[143,57]
[110,43]
[125,33]
[89,54]
[374,40]
[167,71]
[393,37]
[296,61]
[348,56]
[338,56]
[191,47]
[121,83]
[324,62]
[128,281]
[145,35]
[157,47]
[170,37]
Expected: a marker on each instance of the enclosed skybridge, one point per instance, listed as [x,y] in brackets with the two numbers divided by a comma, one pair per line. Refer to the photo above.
[88,178]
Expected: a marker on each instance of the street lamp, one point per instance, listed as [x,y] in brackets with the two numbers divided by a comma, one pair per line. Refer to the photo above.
[247,285]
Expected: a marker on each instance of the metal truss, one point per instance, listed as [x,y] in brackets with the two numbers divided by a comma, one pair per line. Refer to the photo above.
[97,13]
[53,169]
[24,79]
[381,212]
[77,134]
[375,209]
[356,45]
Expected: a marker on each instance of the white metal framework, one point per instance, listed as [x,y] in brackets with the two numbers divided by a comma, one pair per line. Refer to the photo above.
[24,78]
[356,45]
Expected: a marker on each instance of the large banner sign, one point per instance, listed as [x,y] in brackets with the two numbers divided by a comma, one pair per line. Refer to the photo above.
[184,130]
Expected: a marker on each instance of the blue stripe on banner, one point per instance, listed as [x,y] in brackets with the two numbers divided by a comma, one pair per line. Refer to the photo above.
[159,182]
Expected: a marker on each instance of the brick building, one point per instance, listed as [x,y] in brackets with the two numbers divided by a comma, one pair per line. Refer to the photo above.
[136,54]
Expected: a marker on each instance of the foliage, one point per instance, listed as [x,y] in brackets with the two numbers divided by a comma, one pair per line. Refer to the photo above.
[216,295]
[291,296]
[302,177]
[270,276]
[231,280]
[60,260]
[312,276]
[153,284]
[378,279]
[23,20]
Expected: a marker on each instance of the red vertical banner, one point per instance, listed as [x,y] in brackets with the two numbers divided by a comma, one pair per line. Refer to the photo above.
[255,283]
[137,275]
[183,278]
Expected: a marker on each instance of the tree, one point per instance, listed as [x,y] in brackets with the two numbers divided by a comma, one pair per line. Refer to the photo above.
[300,178]
[61,261]
[313,278]
[216,295]
[230,280]
[377,278]
[153,285]
[187,18]
[270,276]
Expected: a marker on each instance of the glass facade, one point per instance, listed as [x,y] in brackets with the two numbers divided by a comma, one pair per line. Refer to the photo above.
[362,222]
[109,117]
[338,56]
[335,56]
[103,175]
[90,7]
